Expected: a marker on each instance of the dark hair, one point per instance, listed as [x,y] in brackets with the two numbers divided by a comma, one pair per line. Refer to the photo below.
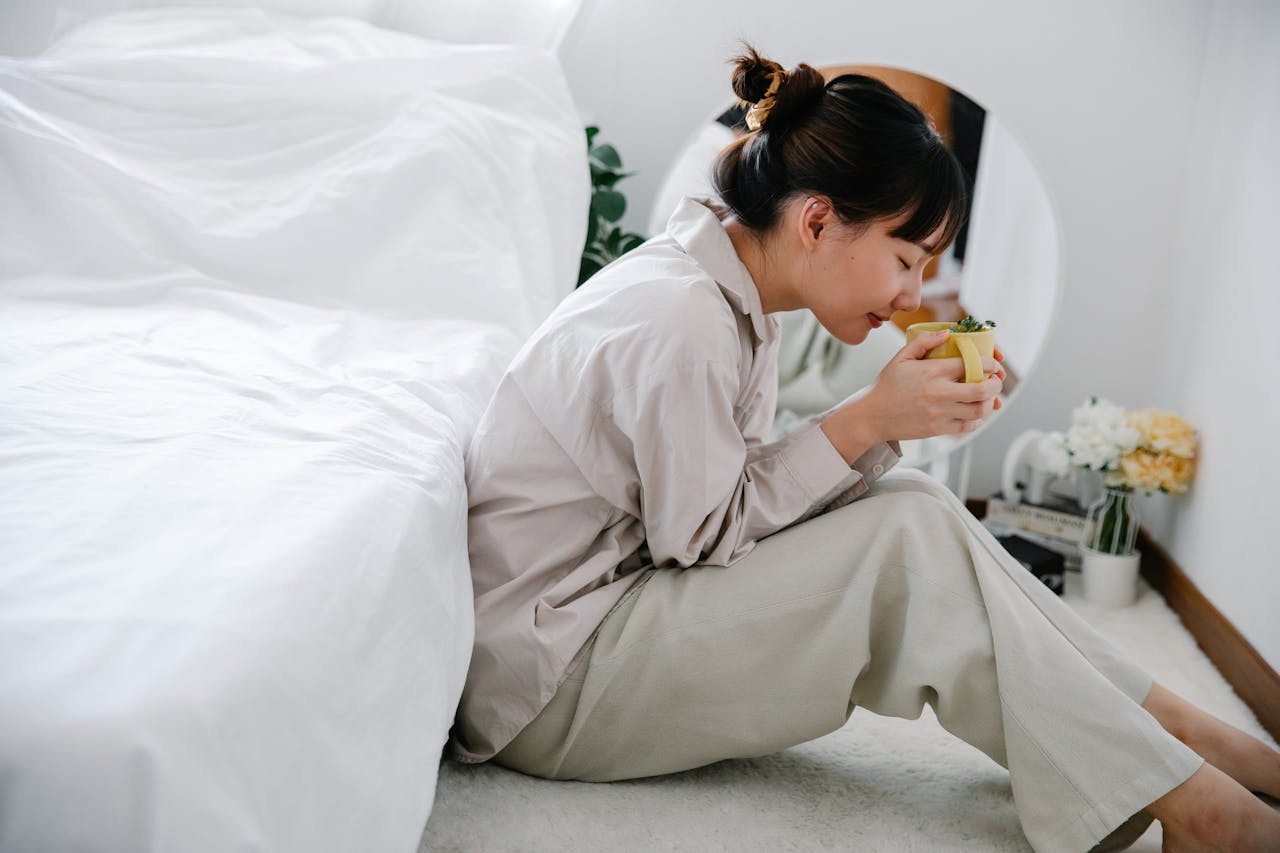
[854,140]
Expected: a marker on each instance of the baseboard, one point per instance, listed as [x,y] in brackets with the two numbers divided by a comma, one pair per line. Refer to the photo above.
[1245,670]
[1248,673]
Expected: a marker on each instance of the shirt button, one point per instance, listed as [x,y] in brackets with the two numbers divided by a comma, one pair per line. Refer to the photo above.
[877,470]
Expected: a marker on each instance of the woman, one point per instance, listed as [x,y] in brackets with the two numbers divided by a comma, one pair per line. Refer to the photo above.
[658,587]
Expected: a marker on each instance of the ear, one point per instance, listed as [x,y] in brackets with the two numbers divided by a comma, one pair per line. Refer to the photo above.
[815,216]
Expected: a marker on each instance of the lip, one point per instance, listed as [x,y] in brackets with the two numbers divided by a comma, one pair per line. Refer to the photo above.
[876,322]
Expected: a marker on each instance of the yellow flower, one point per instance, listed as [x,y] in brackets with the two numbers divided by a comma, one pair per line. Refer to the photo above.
[1149,471]
[1164,432]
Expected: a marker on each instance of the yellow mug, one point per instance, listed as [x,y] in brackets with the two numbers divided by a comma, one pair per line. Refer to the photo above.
[970,346]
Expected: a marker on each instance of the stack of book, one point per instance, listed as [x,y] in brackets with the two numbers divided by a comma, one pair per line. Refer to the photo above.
[1058,523]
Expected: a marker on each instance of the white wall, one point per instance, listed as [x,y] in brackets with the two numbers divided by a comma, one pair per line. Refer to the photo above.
[1222,364]
[1106,99]
[1101,95]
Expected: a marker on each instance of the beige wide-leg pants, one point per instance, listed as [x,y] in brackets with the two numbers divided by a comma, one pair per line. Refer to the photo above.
[897,599]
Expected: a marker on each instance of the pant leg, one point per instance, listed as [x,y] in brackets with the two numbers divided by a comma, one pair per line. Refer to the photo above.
[1121,670]
[895,600]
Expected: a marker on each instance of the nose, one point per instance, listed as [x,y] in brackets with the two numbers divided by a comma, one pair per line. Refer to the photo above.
[908,299]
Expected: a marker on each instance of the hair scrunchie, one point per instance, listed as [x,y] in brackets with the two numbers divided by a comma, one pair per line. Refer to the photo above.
[760,109]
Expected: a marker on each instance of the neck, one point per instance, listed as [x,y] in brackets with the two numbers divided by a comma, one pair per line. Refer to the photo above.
[774,293]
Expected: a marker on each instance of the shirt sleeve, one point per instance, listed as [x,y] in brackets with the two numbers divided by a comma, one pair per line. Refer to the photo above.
[871,464]
[705,496]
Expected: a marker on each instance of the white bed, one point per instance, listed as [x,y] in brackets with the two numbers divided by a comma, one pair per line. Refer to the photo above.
[258,277]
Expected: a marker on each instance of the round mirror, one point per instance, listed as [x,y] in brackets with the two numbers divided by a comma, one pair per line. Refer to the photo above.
[1003,265]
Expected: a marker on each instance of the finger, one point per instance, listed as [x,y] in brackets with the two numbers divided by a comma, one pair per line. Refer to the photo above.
[992,367]
[952,368]
[921,344]
[999,353]
[965,412]
[934,369]
[999,404]
[975,392]
[966,426]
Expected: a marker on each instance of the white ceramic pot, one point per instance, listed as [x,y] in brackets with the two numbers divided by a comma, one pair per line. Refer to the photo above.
[1110,580]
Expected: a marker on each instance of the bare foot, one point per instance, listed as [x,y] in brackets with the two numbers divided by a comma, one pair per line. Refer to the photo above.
[1212,812]
[1240,755]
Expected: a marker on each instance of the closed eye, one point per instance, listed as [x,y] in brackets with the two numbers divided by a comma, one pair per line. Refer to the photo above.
[905,265]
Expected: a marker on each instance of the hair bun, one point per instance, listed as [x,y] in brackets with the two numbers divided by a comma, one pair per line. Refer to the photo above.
[776,96]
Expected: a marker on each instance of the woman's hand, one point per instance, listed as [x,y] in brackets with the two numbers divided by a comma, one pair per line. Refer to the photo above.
[915,397]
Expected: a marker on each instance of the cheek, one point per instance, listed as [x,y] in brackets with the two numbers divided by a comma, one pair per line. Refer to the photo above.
[884,281]
[868,287]
[854,283]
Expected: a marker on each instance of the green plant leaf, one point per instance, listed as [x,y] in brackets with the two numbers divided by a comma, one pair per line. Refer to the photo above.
[588,268]
[604,242]
[613,242]
[607,156]
[607,179]
[601,176]
[609,203]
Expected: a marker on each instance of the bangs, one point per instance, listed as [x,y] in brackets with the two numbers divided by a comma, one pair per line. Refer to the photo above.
[943,198]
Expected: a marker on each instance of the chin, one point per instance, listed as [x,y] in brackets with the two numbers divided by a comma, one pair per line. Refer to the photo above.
[853,336]
[852,333]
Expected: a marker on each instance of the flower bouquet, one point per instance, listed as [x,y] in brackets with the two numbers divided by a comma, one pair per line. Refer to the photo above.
[1146,449]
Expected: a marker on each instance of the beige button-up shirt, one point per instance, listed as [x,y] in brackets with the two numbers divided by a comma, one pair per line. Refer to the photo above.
[629,434]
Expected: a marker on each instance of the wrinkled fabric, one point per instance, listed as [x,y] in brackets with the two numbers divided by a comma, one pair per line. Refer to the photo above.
[258,280]
[629,431]
[899,600]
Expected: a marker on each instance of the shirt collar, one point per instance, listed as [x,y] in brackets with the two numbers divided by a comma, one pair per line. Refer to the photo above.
[698,230]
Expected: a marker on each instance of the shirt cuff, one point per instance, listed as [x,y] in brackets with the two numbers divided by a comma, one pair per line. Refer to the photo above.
[880,458]
[816,464]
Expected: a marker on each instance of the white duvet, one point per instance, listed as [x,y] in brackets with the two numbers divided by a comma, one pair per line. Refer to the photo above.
[258,278]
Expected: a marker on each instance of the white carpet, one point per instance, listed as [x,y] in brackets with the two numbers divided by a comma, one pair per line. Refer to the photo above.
[878,784]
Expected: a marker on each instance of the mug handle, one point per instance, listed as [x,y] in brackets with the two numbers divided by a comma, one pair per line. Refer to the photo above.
[972,360]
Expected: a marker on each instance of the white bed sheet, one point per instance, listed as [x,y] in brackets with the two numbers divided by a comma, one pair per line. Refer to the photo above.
[258,278]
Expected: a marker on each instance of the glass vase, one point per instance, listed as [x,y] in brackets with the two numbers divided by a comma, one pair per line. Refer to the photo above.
[1088,486]
[1113,522]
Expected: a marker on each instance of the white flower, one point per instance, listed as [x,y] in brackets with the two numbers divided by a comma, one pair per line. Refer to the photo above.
[1052,450]
[1099,435]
